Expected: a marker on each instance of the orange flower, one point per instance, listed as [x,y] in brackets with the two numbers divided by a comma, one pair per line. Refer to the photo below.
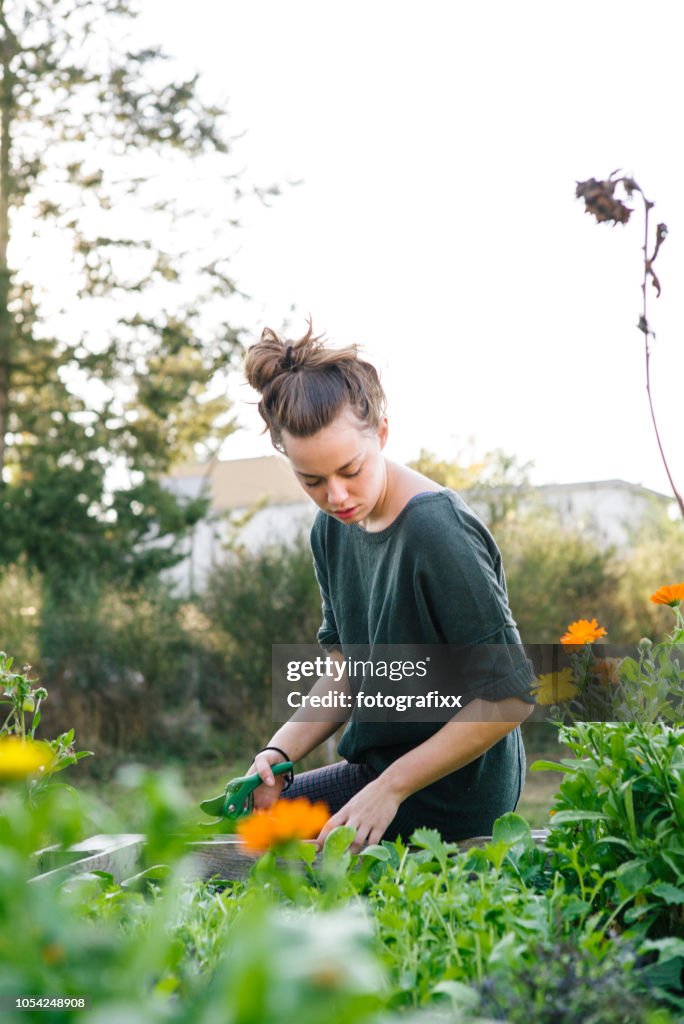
[607,670]
[583,632]
[283,821]
[672,595]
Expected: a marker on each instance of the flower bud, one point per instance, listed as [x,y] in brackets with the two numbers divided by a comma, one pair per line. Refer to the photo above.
[645,644]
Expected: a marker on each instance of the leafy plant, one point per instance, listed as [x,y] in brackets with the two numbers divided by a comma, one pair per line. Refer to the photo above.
[567,982]
[618,822]
[24,701]
[646,689]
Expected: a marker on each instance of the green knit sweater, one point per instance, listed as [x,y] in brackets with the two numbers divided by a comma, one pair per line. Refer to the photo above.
[434,576]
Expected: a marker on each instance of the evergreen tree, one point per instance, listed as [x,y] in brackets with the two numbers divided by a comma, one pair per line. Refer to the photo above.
[101,394]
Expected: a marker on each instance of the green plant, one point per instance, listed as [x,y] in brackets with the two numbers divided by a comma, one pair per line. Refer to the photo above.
[645,689]
[252,601]
[542,557]
[24,700]
[618,821]
[567,982]
[163,947]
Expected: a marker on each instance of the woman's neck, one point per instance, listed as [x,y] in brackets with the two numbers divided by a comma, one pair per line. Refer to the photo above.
[401,484]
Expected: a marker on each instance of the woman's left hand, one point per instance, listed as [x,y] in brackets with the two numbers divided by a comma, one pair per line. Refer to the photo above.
[369,812]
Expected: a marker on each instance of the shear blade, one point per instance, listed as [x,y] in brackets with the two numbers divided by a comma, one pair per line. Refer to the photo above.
[214,806]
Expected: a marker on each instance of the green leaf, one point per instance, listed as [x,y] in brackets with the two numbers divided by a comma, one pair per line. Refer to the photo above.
[563,817]
[616,841]
[338,842]
[306,852]
[510,829]
[629,670]
[461,996]
[155,871]
[547,766]
[632,877]
[429,839]
[375,852]
[106,876]
[667,949]
[669,893]
[496,853]
[629,809]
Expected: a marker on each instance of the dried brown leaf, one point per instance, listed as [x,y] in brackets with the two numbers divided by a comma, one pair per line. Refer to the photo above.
[599,200]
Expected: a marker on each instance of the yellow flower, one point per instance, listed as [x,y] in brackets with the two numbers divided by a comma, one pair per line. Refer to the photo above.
[555,686]
[583,631]
[672,595]
[607,670]
[282,821]
[22,757]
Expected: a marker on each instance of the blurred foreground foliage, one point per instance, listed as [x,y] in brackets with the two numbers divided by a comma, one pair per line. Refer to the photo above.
[420,935]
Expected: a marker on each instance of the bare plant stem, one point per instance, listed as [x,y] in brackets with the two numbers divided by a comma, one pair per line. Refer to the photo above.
[647,349]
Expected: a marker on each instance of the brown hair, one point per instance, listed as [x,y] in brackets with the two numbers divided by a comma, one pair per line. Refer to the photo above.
[304,385]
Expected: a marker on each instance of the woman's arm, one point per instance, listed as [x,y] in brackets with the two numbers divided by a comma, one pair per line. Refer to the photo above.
[299,736]
[466,737]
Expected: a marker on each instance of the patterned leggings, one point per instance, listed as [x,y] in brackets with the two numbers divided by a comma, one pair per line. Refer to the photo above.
[337,783]
[334,784]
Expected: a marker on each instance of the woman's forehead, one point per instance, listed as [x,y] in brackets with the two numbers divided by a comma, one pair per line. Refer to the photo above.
[334,448]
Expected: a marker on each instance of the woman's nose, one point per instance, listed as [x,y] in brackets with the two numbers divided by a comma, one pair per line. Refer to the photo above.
[337,493]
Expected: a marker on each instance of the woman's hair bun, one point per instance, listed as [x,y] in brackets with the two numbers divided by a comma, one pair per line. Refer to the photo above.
[304,384]
[265,360]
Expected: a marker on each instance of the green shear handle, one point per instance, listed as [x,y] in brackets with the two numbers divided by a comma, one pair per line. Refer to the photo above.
[238,798]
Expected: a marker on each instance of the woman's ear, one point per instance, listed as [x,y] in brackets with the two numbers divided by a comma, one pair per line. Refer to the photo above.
[383,431]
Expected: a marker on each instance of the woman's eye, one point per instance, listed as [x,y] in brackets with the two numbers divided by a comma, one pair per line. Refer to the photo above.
[355,473]
[312,483]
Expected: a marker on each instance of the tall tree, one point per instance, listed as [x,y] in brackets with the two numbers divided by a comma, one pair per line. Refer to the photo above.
[102,392]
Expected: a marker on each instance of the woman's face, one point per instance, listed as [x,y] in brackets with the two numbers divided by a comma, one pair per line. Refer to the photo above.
[341,467]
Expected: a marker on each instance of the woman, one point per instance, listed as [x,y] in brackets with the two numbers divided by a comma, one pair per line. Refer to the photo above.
[398,560]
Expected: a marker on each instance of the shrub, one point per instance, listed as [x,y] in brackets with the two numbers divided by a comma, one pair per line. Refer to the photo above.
[253,601]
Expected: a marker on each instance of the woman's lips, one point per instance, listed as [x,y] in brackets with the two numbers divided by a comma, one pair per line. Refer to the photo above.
[346,513]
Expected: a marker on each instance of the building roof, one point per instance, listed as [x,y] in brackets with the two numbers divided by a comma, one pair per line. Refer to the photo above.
[241,483]
[605,485]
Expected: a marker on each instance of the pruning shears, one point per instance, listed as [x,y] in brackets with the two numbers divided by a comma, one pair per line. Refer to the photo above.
[237,800]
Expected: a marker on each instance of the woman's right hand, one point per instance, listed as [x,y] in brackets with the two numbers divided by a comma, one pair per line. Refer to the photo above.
[272,785]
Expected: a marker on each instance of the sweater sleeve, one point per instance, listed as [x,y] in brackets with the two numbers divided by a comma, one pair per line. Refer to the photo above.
[461,586]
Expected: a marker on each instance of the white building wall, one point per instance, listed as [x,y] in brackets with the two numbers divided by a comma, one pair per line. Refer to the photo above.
[210,540]
[608,511]
[605,510]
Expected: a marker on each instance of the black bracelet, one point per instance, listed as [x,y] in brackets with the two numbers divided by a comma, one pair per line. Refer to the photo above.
[289,778]
[277,750]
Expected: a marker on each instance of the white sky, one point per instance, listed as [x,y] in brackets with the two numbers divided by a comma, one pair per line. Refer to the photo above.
[438,145]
